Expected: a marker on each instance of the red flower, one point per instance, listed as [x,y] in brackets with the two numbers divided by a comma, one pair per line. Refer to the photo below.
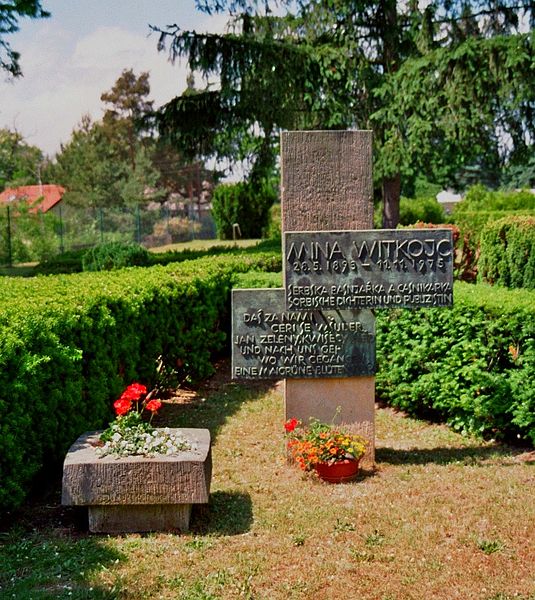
[153,405]
[134,392]
[122,406]
[291,424]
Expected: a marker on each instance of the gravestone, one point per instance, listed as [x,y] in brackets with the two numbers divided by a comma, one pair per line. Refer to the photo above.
[327,185]
[318,333]
[138,493]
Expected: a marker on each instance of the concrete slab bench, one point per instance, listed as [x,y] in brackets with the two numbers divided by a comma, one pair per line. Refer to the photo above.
[136,493]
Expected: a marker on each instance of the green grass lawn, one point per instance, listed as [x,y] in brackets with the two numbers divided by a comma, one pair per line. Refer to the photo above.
[204,245]
[442,517]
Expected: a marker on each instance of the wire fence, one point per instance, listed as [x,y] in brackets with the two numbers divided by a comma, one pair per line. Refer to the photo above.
[27,236]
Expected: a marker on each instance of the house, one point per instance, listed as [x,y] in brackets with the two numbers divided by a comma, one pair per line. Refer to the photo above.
[39,197]
[448,199]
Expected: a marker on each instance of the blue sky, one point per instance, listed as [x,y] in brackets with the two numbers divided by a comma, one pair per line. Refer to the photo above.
[69,59]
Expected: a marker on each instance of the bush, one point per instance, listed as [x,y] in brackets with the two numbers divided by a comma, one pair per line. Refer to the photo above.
[258,279]
[32,235]
[425,210]
[274,230]
[472,365]
[479,198]
[70,261]
[70,343]
[481,206]
[508,252]
[115,255]
[244,204]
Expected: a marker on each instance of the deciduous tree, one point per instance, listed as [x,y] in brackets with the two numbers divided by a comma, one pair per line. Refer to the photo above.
[20,163]
[127,118]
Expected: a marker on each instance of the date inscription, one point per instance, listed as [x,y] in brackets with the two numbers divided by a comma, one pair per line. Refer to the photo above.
[368,269]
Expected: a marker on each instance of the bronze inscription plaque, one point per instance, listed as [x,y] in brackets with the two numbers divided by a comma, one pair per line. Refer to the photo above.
[328,270]
[269,342]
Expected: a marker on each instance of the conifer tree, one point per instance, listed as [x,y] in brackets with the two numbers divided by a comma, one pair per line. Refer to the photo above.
[441,85]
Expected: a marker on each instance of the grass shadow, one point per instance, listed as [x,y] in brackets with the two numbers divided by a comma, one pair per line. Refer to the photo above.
[476,455]
[46,565]
[228,513]
[18,271]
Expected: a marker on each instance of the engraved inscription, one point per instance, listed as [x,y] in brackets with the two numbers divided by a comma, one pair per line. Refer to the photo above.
[271,343]
[368,269]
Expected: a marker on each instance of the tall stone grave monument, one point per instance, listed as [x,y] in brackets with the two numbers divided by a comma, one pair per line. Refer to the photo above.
[326,185]
[318,332]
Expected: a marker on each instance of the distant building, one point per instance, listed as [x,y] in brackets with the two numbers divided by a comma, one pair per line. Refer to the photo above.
[448,200]
[40,198]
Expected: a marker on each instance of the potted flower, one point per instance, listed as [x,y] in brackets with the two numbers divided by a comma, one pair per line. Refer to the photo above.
[332,452]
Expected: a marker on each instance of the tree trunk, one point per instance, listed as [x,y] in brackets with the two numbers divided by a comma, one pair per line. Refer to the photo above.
[391,195]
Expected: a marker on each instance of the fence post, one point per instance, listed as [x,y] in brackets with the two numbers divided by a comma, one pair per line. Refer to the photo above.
[61,244]
[9,250]
[101,224]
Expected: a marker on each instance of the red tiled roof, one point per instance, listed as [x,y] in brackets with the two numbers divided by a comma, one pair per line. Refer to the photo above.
[39,197]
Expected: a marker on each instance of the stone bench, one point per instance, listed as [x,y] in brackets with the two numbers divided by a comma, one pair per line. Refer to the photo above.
[136,493]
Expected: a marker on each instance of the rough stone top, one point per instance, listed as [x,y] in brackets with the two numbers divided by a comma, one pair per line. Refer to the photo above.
[83,449]
[326,180]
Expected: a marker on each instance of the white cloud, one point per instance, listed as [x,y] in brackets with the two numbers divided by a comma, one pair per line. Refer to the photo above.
[64,77]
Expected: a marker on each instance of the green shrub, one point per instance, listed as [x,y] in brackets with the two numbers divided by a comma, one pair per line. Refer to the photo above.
[472,365]
[479,198]
[274,230]
[70,343]
[426,210]
[244,204]
[115,255]
[70,261]
[481,207]
[258,279]
[508,252]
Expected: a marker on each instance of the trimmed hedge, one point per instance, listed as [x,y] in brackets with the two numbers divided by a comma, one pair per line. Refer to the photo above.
[472,365]
[115,255]
[72,261]
[508,253]
[70,343]
[480,198]
[427,210]
[481,206]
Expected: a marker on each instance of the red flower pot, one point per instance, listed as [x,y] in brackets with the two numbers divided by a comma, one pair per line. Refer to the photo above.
[339,471]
